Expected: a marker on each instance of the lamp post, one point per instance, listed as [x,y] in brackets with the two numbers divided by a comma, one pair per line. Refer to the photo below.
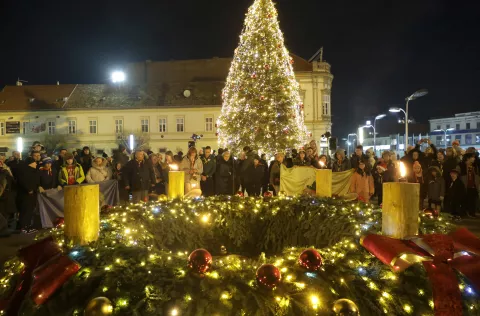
[369,125]
[417,94]
[378,117]
[348,141]
[445,132]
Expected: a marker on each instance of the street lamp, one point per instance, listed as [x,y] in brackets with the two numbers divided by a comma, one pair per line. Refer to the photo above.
[131,142]
[445,132]
[378,117]
[348,142]
[369,125]
[20,146]
[118,76]
[417,94]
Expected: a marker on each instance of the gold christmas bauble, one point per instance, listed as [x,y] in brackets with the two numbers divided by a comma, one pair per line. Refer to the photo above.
[99,306]
[162,198]
[344,307]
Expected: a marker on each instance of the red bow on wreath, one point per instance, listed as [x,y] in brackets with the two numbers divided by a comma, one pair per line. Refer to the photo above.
[440,255]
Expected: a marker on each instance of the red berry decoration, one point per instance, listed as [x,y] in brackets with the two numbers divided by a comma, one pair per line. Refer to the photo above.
[431,212]
[310,259]
[268,194]
[268,276]
[59,222]
[199,261]
[254,75]
[262,98]
[240,194]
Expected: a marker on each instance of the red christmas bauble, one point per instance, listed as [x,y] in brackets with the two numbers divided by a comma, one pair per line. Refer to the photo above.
[199,261]
[268,194]
[262,98]
[431,212]
[310,259]
[240,194]
[267,67]
[268,276]
[59,222]
[254,75]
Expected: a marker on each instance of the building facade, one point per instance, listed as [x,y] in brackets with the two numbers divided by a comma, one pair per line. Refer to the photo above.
[463,127]
[163,104]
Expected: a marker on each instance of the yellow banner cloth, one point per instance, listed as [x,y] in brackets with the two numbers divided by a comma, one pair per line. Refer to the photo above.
[294,181]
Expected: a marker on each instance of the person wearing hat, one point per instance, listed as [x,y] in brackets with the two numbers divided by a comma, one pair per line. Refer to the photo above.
[301,159]
[71,172]
[48,176]
[254,176]
[341,163]
[436,188]
[85,159]
[454,195]
[99,172]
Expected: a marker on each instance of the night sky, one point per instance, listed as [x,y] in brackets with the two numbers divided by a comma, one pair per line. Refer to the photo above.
[380,51]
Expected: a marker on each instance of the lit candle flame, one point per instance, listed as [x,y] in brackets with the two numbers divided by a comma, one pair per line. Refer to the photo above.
[321,163]
[403,170]
[173,167]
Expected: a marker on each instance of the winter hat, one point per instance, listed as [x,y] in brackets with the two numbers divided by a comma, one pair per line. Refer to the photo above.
[436,169]
[86,147]
[456,170]
[382,166]
[456,142]
[68,156]
[47,160]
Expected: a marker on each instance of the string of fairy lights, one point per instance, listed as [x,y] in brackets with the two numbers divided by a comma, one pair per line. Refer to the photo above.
[343,263]
[262,106]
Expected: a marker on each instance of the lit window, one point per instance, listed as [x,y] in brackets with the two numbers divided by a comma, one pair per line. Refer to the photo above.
[92,126]
[208,124]
[51,127]
[326,104]
[144,124]
[118,126]
[72,127]
[180,124]
[162,125]
[477,139]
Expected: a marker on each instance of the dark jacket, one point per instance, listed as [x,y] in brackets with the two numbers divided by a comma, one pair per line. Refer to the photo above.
[275,173]
[247,162]
[7,197]
[14,165]
[354,161]
[48,179]
[224,177]
[436,188]
[209,165]
[138,177]
[28,179]
[301,163]
[121,158]
[85,161]
[344,166]
[454,196]
[254,175]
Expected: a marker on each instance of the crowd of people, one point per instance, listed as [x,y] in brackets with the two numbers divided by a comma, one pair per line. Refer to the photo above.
[449,179]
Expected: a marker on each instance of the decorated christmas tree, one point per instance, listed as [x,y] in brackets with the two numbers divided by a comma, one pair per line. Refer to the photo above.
[262,107]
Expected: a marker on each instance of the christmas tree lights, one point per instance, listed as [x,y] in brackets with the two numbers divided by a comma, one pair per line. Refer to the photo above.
[262,107]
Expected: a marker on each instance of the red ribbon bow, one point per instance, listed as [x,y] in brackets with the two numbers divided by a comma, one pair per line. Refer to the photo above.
[440,255]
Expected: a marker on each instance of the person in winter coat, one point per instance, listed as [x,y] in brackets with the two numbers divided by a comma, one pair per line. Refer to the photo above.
[99,172]
[275,172]
[436,188]
[430,156]
[209,165]
[154,161]
[166,167]
[341,163]
[193,167]
[28,183]
[71,172]
[266,174]
[254,176]
[357,157]
[418,176]
[57,165]
[117,174]
[471,179]
[455,195]
[14,163]
[224,175]
[48,176]
[301,160]
[121,156]
[362,183]
[138,177]
[8,207]
[384,171]
[85,159]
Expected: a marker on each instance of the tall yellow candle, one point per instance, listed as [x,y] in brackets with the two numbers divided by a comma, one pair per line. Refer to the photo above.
[324,182]
[176,184]
[400,208]
[82,213]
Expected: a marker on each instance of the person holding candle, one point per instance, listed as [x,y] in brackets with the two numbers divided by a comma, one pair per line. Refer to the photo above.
[193,167]
[362,183]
